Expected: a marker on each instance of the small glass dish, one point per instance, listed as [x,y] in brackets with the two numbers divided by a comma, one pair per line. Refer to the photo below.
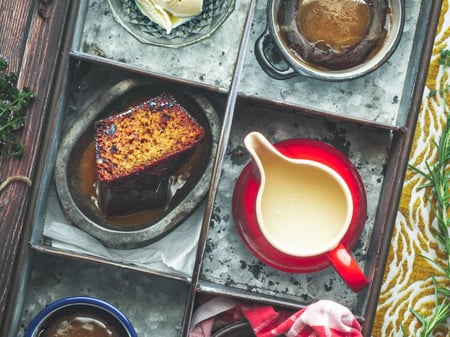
[214,13]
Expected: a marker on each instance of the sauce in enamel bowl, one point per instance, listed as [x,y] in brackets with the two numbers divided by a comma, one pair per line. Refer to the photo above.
[78,321]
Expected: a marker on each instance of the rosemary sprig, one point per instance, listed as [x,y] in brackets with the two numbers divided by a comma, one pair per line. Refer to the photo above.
[437,178]
[12,116]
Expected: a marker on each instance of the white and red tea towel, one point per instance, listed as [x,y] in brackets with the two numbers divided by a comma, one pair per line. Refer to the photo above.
[323,318]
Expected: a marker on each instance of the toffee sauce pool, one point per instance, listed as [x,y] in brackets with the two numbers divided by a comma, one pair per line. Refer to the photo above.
[88,186]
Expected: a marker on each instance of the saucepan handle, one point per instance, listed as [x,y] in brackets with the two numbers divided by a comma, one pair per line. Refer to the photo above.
[347,268]
[262,45]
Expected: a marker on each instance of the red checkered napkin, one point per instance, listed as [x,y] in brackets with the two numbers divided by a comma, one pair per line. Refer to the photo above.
[320,319]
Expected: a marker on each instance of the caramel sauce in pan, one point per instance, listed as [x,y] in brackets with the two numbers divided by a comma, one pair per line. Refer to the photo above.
[337,23]
[333,34]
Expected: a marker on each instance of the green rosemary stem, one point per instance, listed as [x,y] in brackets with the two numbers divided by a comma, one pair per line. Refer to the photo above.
[444,160]
[437,179]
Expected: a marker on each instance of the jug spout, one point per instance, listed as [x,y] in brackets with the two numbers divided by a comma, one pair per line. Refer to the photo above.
[260,149]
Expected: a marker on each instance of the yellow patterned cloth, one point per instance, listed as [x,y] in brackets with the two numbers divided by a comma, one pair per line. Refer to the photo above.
[407,283]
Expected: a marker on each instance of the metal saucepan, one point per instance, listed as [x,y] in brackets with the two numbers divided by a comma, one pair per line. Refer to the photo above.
[273,41]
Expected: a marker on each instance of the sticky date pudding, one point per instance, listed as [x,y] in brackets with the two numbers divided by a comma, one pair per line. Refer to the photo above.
[139,149]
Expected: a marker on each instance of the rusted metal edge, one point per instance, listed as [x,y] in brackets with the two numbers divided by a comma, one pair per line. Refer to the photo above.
[221,150]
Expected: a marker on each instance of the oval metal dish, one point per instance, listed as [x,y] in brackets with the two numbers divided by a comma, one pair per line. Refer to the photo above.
[214,13]
[83,212]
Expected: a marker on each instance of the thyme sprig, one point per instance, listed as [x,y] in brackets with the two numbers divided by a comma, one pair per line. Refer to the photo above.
[13,102]
[437,176]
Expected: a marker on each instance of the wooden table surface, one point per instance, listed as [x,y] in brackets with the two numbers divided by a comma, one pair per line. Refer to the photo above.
[31,37]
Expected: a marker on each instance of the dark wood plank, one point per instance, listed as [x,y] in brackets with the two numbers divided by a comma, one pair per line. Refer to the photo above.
[14,21]
[31,44]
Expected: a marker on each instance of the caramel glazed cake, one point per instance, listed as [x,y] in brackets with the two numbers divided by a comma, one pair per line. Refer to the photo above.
[137,151]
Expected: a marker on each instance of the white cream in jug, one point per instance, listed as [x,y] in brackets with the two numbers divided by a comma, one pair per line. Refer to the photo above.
[303,208]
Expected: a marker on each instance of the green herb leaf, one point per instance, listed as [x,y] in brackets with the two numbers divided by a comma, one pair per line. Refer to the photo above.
[12,112]
[437,184]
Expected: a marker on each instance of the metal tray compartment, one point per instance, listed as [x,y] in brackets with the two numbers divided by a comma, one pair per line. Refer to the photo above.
[53,232]
[99,37]
[382,96]
[230,268]
[155,306]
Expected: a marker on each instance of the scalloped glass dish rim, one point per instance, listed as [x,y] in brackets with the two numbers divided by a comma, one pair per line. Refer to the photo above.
[149,39]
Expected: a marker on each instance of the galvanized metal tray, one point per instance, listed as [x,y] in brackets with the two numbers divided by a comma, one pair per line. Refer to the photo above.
[373,128]
[381,97]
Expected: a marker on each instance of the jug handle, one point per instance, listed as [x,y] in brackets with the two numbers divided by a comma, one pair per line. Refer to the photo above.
[279,74]
[347,268]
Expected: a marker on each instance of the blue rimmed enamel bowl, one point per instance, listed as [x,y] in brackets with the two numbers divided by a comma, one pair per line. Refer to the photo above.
[80,316]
